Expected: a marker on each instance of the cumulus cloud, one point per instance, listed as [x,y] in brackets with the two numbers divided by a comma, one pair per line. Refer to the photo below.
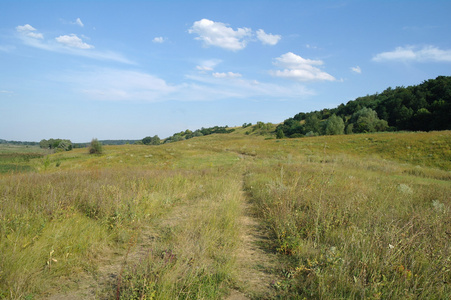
[356,69]
[158,39]
[267,38]
[415,54]
[300,69]
[226,75]
[220,35]
[73,41]
[29,31]
[79,22]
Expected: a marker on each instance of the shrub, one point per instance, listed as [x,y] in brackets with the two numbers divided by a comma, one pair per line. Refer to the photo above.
[95,147]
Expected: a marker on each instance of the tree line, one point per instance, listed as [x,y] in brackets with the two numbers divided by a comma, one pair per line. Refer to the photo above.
[185,135]
[422,107]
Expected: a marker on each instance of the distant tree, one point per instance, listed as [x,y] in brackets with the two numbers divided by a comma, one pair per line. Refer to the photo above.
[155,140]
[147,140]
[57,144]
[279,133]
[95,147]
[366,120]
[44,144]
[312,123]
[334,125]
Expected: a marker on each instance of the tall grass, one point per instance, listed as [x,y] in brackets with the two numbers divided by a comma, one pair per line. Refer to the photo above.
[194,258]
[354,232]
[361,216]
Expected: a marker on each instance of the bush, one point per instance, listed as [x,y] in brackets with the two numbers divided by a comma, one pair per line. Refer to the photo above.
[95,147]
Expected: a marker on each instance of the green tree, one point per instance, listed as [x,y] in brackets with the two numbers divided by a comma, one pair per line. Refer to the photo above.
[279,133]
[147,140]
[95,147]
[366,120]
[334,125]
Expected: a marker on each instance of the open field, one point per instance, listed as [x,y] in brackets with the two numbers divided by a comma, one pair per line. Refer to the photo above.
[231,216]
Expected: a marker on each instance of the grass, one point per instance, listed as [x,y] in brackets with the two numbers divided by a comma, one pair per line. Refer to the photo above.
[359,216]
[15,158]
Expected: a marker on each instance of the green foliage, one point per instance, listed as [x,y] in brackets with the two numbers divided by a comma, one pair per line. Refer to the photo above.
[366,120]
[422,107]
[279,133]
[188,134]
[57,144]
[95,147]
[155,140]
[334,125]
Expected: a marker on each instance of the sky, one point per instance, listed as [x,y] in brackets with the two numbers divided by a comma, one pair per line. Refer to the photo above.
[129,69]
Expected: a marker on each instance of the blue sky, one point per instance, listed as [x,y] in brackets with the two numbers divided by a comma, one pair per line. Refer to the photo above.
[130,69]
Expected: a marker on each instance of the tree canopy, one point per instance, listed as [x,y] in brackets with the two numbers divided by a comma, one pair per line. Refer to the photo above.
[422,107]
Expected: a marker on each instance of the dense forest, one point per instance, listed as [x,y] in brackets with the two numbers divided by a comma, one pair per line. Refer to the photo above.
[422,107]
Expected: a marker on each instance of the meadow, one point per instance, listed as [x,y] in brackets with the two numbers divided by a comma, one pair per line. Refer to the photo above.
[231,216]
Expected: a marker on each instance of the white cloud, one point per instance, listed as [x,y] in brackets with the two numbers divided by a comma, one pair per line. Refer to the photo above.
[267,38]
[66,44]
[220,35]
[29,31]
[158,39]
[208,65]
[216,88]
[79,22]
[414,53]
[226,75]
[126,85]
[120,85]
[356,69]
[300,69]
[73,41]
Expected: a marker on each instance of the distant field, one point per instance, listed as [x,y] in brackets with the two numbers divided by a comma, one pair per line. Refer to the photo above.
[230,216]
[15,158]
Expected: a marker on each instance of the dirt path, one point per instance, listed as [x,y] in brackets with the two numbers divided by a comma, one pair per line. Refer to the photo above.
[255,262]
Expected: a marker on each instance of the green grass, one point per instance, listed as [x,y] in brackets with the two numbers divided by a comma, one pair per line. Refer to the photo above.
[358,216]
[16,159]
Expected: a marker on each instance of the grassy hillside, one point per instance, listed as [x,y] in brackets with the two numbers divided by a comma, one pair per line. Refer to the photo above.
[355,216]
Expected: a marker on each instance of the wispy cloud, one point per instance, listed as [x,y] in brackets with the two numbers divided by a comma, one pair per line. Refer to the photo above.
[127,85]
[298,68]
[79,22]
[415,54]
[6,92]
[7,48]
[29,31]
[221,35]
[226,75]
[159,40]
[66,44]
[267,38]
[356,69]
[208,65]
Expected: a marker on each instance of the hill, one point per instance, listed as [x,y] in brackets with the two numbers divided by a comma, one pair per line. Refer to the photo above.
[423,107]
[232,214]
